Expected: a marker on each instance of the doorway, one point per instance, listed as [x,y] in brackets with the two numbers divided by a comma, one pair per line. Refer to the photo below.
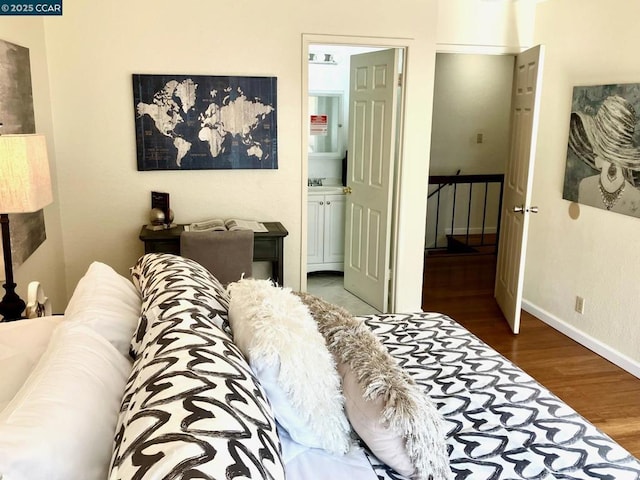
[516,208]
[470,136]
[327,162]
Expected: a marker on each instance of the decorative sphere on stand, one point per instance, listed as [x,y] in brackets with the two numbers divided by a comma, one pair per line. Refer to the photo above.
[156,216]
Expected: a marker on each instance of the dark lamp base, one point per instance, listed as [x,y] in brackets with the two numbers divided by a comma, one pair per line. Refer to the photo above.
[11,306]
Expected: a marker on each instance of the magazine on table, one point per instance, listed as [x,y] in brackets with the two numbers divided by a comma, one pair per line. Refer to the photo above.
[219,224]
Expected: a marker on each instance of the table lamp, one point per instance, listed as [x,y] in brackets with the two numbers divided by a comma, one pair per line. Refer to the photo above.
[25,186]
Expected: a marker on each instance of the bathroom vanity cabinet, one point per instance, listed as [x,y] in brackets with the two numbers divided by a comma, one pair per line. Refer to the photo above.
[325,236]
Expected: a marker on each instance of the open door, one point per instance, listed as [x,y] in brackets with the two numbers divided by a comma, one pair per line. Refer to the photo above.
[372,119]
[517,186]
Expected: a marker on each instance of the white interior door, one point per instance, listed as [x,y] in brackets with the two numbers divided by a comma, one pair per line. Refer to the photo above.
[516,201]
[372,115]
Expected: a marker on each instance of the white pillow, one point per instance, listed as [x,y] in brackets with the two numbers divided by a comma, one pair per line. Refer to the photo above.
[60,425]
[107,302]
[281,341]
[22,343]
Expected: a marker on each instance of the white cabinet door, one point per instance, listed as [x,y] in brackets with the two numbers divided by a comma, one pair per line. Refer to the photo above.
[325,232]
[315,229]
[334,208]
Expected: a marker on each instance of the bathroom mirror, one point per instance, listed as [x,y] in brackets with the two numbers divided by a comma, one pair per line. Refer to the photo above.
[325,133]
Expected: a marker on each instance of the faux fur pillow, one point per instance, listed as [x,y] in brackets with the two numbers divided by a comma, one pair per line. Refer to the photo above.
[280,339]
[391,414]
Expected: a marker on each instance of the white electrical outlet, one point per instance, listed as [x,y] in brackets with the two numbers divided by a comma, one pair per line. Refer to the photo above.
[580,305]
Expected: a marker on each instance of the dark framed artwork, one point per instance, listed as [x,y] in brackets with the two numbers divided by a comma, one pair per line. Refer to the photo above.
[194,122]
[603,157]
[161,200]
[17,116]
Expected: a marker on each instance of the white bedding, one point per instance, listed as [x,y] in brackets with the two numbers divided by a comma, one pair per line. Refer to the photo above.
[60,424]
[59,400]
[21,346]
[303,463]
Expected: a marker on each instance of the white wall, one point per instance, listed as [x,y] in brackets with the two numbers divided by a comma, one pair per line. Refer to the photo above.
[46,264]
[483,25]
[595,256]
[95,47]
[472,95]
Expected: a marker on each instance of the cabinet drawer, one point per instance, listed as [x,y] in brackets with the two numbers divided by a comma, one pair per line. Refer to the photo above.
[265,248]
[162,246]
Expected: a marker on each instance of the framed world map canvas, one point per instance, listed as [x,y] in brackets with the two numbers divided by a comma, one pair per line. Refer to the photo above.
[194,122]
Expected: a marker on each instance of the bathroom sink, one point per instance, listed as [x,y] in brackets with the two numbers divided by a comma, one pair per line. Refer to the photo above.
[326,189]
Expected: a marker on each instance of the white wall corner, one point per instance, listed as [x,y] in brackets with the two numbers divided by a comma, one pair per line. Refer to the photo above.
[605,351]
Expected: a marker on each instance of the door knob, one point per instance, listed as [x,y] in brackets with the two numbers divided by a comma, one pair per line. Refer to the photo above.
[347,190]
[521,209]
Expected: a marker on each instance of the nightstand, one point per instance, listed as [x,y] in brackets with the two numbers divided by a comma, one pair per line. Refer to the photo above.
[267,246]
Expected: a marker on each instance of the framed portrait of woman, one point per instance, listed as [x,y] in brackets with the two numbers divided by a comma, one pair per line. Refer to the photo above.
[603,156]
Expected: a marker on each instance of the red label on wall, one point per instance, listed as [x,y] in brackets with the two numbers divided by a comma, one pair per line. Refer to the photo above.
[319,124]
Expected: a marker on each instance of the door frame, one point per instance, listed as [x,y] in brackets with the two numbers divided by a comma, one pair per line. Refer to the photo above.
[377,42]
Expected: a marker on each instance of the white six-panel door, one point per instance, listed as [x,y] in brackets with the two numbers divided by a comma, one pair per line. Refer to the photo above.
[516,203]
[372,115]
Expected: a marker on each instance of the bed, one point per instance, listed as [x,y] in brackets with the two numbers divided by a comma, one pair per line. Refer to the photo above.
[501,422]
[75,405]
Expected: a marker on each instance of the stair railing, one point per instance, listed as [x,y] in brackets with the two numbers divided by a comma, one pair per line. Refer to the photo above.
[477,234]
[440,187]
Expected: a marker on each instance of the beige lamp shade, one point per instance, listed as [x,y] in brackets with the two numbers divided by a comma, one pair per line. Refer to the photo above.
[25,182]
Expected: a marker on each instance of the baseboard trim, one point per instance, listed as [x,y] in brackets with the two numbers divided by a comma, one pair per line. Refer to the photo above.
[583,339]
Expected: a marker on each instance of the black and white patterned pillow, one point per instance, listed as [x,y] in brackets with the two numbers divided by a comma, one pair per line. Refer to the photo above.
[171,286]
[192,407]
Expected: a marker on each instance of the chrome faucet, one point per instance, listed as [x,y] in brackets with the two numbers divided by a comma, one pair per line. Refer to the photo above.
[314,182]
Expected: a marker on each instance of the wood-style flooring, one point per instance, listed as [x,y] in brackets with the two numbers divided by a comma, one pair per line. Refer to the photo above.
[461,286]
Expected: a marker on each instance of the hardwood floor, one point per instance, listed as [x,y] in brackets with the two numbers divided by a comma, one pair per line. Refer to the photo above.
[462,287]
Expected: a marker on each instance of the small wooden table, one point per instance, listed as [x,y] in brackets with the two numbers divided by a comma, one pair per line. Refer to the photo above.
[267,246]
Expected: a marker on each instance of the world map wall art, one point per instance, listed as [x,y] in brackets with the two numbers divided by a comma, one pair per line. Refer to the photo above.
[195,122]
